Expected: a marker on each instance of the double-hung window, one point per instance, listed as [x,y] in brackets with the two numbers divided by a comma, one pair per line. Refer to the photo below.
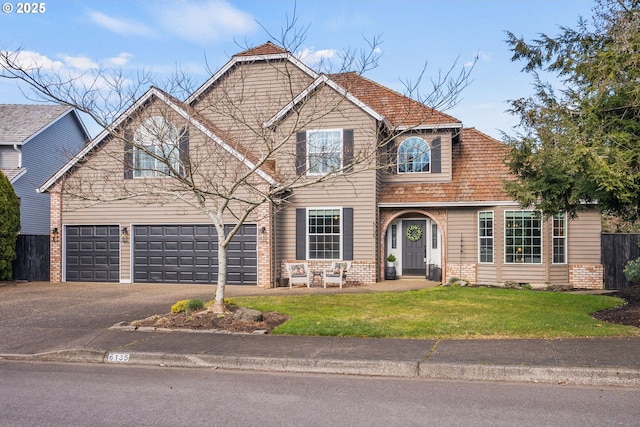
[324,233]
[324,151]
[156,150]
[485,236]
[522,237]
[559,239]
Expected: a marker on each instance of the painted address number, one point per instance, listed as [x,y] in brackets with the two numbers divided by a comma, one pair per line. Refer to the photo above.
[118,357]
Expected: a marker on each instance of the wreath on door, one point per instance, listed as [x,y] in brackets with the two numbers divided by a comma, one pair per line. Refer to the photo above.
[414,232]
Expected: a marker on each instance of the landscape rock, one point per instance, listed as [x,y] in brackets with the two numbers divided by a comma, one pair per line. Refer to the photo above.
[247,314]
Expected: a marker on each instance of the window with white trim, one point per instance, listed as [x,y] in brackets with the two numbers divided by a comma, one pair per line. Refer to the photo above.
[414,155]
[324,151]
[522,237]
[324,233]
[559,236]
[156,151]
[485,236]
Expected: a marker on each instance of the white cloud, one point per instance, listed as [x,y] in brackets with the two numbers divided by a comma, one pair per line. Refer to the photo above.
[79,62]
[121,26]
[313,57]
[204,21]
[30,60]
[118,61]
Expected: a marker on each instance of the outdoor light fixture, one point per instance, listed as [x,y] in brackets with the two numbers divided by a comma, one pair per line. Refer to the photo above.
[124,234]
[263,234]
[55,234]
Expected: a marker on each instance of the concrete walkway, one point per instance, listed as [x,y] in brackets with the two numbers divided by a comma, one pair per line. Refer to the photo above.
[73,322]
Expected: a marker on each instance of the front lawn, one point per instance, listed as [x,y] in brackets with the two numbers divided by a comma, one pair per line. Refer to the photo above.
[444,313]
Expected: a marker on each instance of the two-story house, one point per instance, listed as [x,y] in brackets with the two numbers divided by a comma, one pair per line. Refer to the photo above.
[36,141]
[390,176]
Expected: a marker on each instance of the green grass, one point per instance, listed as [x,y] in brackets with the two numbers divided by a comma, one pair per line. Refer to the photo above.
[444,313]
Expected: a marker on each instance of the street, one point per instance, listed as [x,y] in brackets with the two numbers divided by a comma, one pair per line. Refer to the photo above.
[53,394]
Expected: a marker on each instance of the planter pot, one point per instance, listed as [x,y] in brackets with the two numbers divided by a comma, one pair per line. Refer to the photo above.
[282,282]
[390,273]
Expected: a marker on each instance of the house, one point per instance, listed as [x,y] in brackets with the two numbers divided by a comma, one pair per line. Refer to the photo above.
[35,141]
[410,180]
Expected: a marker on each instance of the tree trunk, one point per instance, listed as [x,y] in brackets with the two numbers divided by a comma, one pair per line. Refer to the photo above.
[218,305]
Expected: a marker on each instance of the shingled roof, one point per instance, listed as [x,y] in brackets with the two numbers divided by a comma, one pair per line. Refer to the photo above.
[18,123]
[478,175]
[267,48]
[399,110]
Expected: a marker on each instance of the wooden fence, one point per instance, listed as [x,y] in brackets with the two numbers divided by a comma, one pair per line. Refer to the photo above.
[616,251]
[32,262]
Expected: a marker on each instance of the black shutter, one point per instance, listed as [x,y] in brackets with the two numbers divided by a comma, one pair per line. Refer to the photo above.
[347,147]
[347,234]
[301,233]
[184,151]
[128,154]
[436,156]
[301,153]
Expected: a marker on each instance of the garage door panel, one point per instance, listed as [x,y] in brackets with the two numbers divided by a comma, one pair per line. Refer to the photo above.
[92,253]
[188,254]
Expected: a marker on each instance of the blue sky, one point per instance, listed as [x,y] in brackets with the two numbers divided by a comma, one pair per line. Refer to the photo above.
[159,35]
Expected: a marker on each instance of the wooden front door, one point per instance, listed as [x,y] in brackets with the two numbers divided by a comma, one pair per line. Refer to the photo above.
[414,248]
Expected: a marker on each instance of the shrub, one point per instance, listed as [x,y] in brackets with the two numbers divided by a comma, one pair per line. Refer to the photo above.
[194,305]
[9,227]
[632,271]
[180,306]
[187,306]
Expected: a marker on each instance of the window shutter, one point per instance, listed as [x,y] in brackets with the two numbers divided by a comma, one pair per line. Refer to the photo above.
[128,154]
[301,233]
[301,154]
[347,144]
[436,161]
[347,234]
[184,151]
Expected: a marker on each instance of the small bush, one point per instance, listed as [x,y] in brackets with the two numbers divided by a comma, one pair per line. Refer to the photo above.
[632,271]
[180,306]
[194,305]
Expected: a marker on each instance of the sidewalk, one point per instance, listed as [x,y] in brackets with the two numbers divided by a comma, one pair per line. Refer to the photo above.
[73,322]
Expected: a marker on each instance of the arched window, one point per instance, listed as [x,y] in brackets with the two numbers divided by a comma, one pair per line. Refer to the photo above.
[414,155]
[156,151]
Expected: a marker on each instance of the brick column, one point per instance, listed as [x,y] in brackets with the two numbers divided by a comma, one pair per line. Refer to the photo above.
[265,245]
[55,254]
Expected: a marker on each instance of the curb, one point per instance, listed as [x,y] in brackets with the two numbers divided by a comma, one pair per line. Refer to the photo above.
[398,369]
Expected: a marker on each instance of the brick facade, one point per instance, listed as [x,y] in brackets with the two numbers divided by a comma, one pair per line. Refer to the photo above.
[55,255]
[586,276]
[466,271]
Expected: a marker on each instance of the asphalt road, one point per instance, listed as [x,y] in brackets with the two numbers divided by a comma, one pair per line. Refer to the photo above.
[50,394]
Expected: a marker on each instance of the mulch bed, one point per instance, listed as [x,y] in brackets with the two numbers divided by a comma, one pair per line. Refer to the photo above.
[627,314]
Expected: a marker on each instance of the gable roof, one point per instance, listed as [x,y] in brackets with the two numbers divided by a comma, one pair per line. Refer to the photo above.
[21,123]
[478,173]
[400,110]
[194,119]
[265,52]
[383,104]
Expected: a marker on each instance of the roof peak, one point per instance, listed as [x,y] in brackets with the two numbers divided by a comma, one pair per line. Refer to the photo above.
[268,48]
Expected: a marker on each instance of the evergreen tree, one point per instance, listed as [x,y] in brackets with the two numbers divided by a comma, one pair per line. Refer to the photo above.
[9,227]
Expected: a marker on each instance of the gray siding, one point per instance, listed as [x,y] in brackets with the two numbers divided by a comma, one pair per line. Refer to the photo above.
[42,157]
[9,158]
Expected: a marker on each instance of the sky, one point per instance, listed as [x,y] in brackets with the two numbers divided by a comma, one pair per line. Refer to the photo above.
[200,36]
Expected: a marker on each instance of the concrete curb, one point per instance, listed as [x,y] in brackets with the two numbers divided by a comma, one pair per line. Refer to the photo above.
[382,368]
[534,374]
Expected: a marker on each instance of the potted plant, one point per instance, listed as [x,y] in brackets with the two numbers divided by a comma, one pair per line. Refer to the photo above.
[390,271]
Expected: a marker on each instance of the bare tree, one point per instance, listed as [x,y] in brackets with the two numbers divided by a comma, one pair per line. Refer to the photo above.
[246,133]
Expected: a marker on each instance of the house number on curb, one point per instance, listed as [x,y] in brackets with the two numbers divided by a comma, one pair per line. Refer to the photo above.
[118,357]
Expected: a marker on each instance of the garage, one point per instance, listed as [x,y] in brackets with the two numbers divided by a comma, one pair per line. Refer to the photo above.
[189,254]
[92,253]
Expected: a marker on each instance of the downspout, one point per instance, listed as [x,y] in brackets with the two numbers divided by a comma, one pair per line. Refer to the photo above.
[15,147]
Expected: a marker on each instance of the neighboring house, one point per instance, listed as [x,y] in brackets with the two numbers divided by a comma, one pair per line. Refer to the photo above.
[35,141]
[435,198]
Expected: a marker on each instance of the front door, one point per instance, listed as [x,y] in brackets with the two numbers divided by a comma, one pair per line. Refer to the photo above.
[414,247]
